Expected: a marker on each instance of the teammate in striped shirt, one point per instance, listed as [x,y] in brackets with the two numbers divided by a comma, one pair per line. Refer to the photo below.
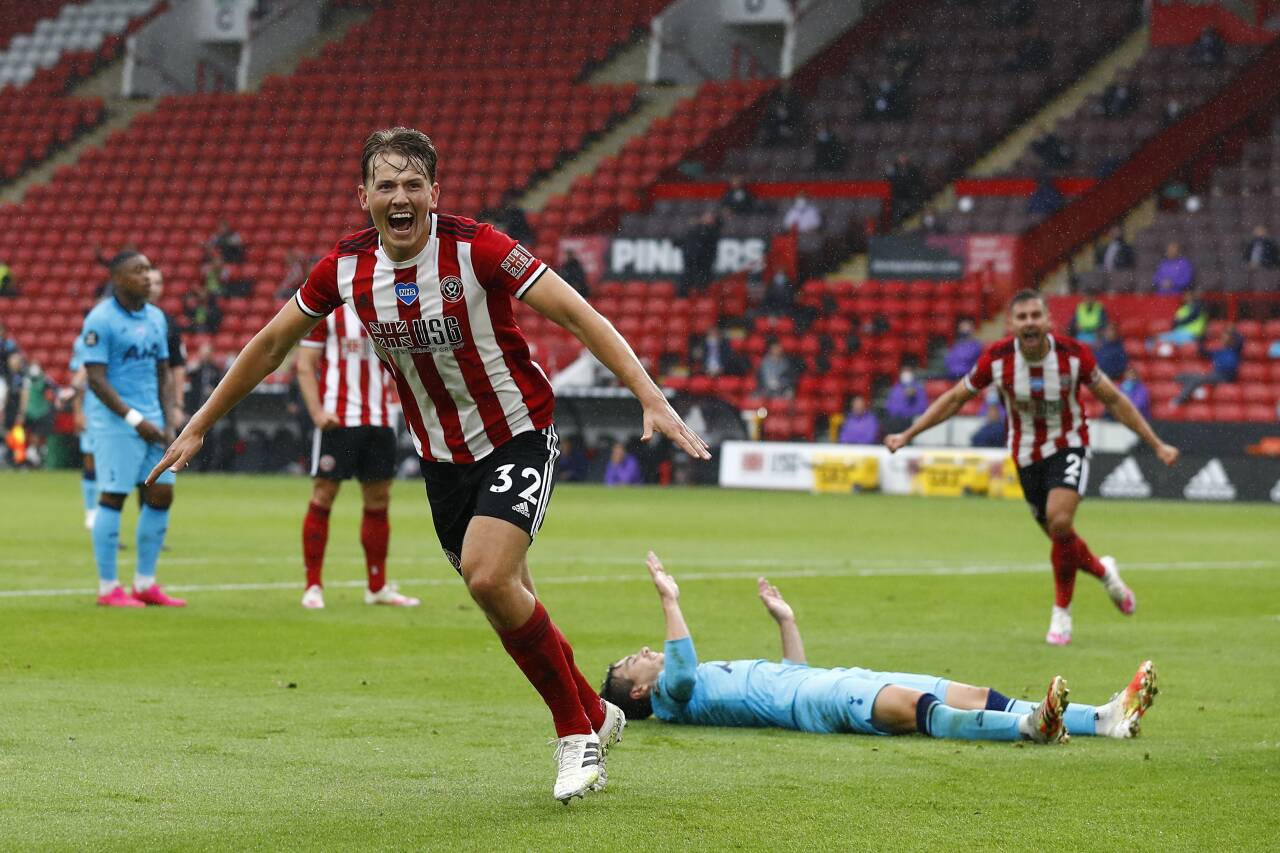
[1040,375]
[434,293]
[343,385]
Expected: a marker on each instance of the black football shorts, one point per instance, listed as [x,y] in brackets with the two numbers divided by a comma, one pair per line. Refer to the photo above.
[1066,469]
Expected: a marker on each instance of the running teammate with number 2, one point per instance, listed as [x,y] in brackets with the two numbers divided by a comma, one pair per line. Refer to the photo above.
[1040,375]
[434,293]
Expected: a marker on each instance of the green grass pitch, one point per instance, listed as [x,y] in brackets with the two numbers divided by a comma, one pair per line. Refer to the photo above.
[246,723]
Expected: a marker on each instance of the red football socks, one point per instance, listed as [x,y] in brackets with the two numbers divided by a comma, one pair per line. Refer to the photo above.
[1063,556]
[375,530]
[587,695]
[1085,559]
[315,536]
[535,647]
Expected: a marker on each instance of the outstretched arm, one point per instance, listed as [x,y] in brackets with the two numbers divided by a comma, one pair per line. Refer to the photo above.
[557,301]
[792,646]
[669,594]
[1123,410]
[256,361]
[939,410]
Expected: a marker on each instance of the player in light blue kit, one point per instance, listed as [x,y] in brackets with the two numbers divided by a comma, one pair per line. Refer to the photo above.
[88,474]
[675,688]
[126,358]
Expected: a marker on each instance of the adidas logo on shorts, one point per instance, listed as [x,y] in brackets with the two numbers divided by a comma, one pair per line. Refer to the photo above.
[522,508]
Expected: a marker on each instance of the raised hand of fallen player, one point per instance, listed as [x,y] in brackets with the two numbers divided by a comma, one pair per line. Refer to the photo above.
[895,442]
[774,602]
[662,418]
[665,584]
[179,454]
[1167,453]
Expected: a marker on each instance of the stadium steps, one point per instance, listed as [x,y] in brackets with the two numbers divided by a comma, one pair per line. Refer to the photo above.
[121,112]
[334,28]
[630,65]
[1006,153]
[655,102]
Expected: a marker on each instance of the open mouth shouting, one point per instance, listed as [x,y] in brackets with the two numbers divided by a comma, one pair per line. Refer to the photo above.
[401,222]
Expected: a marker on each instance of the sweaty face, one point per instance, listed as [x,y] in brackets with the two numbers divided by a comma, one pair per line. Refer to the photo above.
[399,199]
[642,668]
[133,277]
[1029,320]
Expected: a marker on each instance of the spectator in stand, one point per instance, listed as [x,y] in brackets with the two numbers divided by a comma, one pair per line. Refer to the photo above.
[1176,273]
[1033,52]
[1110,354]
[906,401]
[712,355]
[572,466]
[779,295]
[215,276]
[623,468]
[931,222]
[511,220]
[296,268]
[1136,392]
[803,216]
[574,274]
[203,375]
[737,198]
[1121,98]
[8,346]
[885,99]
[1189,322]
[1053,150]
[35,412]
[906,185]
[992,431]
[226,244]
[829,151]
[1224,361]
[1172,112]
[1088,319]
[699,246]
[783,122]
[776,375]
[8,287]
[963,353]
[1116,253]
[905,52]
[860,423]
[1208,50]
[1261,252]
[1046,199]
[201,313]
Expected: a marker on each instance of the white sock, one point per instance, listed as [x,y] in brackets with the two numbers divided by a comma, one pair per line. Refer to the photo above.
[142,582]
[105,587]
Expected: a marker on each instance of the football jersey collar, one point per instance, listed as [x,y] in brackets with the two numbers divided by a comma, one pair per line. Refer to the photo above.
[1048,337]
[416,259]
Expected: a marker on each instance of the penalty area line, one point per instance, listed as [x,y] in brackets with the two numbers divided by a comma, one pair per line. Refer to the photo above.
[838,570]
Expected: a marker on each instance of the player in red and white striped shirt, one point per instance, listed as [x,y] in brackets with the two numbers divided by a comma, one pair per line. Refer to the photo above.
[434,293]
[344,387]
[1040,375]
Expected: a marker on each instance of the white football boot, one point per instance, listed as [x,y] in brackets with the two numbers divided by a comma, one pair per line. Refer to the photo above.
[1120,717]
[1120,593]
[577,760]
[313,598]
[610,733]
[390,596]
[1059,627]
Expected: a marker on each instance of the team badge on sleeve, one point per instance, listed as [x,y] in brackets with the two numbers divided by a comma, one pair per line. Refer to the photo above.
[91,339]
[517,261]
[451,288]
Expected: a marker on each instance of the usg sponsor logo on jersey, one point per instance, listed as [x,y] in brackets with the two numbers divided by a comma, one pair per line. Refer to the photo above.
[407,292]
[451,288]
[1210,484]
[1126,481]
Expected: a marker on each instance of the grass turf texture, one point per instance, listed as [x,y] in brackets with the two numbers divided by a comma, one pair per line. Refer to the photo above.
[245,722]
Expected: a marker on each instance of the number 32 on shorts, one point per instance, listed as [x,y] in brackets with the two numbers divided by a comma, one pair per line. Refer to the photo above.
[505,484]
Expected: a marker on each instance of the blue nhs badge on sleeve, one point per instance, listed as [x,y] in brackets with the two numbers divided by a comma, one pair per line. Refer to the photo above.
[407,292]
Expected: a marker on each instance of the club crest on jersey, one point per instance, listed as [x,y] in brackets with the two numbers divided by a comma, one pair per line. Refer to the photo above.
[1037,384]
[451,288]
[407,292]
[91,339]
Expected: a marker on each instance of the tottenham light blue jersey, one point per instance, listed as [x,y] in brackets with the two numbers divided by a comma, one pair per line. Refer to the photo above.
[129,344]
[77,354]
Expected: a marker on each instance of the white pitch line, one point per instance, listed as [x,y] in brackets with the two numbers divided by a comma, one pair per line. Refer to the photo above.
[846,571]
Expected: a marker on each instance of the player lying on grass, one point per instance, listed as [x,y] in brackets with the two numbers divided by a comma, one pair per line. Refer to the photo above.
[792,695]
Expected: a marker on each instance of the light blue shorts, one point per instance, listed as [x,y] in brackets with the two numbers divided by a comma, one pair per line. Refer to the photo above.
[86,442]
[123,462]
[841,700]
